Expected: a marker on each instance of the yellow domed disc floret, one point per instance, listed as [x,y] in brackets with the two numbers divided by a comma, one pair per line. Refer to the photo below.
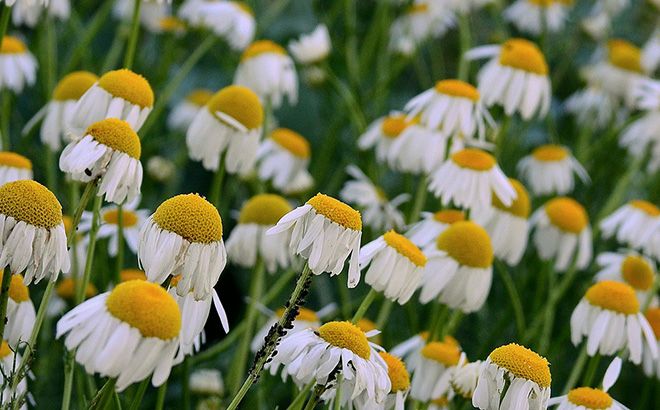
[73,85]
[132,274]
[625,55]
[12,45]
[240,103]
[18,292]
[200,97]
[523,363]
[147,307]
[405,248]
[449,216]
[304,314]
[129,86]
[291,141]
[653,316]
[66,289]
[645,206]
[396,370]
[550,153]
[523,55]
[521,206]
[191,217]
[116,134]
[30,202]
[616,296]
[346,336]
[4,350]
[468,244]
[261,47]
[441,401]
[589,398]
[567,214]
[473,158]
[171,24]
[128,217]
[444,353]
[336,211]
[393,125]
[14,160]
[457,88]
[264,209]
[637,272]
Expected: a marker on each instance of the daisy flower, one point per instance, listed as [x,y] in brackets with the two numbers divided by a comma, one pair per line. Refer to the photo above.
[27,13]
[232,21]
[110,151]
[383,132]
[634,224]
[18,67]
[207,382]
[459,270]
[8,359]
[399,380]
[305,319]
[282,156]
[464,377]
[593,105]
[20,312]
[65,295]
[630,267]
[562,232]
[184,236]
[248,241]
[151,12]
[170,25]
[424,232]
[434,371]
[410,349]
[312,48]
[549,170]
[14,167]
[231,121]
[119,94]
[185,111]
[534,16]
[651,364]
[415,148]
[129,333]
[469,178]
[33,240]
[420,22]
[640,136]
[516,78]
[266,68]
[325,232]
[608,316]
[379,213]
[514,378]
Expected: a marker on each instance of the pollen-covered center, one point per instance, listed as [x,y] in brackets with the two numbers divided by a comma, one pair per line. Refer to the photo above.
[523,363]
[262,47]
[523,55]
[12,45]
[147,307]
[199,97]
[396,370]
[304,314]
[18,292]
[646,207]
[128,217]
[567,214]
[405,248]
[616,296]
[550,153]
[191,217]
[366,325]
[240,103]
[132,274]
[625,55]
[30,202]
[66,289]
[444,353]
[129,86]
[521,206]
[637,272]
[653,317]
[73,85]
[346,336]
[473,158]
[4,350]
[457,88]
[264,209]
[336,211]
[171,24]
[14,160]
[449,216]
[291,141]
[393,125]
[589,398]
[468,244]
[116,134]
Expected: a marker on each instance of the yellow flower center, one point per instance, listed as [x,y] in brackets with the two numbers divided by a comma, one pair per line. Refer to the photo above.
[366,325]
[653,316]
[543,3]
[146,307]
[66,289]
[291,141]
[128,217]
[68,224]
[264,209]
[30,202]
[240,103]
[396,370]
[129,86]
[18,292]
[589,398]
[521,206]
[336,211]
[304,314]
[262,47]
[346,336]
[199,97]
[405,248]
[191,217]
[418,8]
[567,214]
[132,274]
[523,363]
[468,244]
[243,7]
[444,353]
[393,125]
[449,216]
[12,45]
[473,158]
[523,55]
[625,55]
[550,153]
[12,159]
[73,85]
[4,350]
[441,401]
[645,206]
[171,24]
[637,272]
[616,296]
[116,134]
[457,88]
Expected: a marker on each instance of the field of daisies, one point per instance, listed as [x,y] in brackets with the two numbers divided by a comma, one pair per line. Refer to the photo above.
[315,204]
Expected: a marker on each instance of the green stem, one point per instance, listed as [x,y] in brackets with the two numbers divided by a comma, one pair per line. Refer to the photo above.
[92,29]
[299,400]
[114,53]
[511,290]
[465,40]
[4,298]
[5,15]
[129,57]
[438,320]
[549,318]
[137,399]
[216,183]
[366,302]
[69,370]
[337,405]
[51,170]
[420,199]
[318,391]
[120,243]
[185,384]
[384,313]
[592,367]
[160,396]
[100,401]
[344,300]
[90,189]
[4,119]
[352,106]
[452,323]
[577,369]
[618,193]
[82,285]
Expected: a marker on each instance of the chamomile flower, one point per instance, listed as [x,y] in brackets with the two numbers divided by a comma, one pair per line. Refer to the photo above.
[33,240]
[110,151]
[383,132]
[513,378]
[399,380]
[549,170]
[434,370]
[65,294]
[230,122]
[132,220]
[151,12]
[27,13]
[469,178]
[161,169]
[302,182]
[248,241]
[185,111]
[608,317]
[8,359]
[640,136]
[534,16]
[18,67]
[325,232]
[651,364]
[266,68]
[420,22]
[305,319]
[433,224]
[593,105]
[282,156]
[417,149]
[634,224]
[20,312]
[184,236]
[628,267]
[129,333]
[378,212]
[651,52]
[562,233]
[232,21]
[312,48]
[14,167]
[465,376]
[207,382]
[459,269]
[119,94]
[170,25]
[516,78]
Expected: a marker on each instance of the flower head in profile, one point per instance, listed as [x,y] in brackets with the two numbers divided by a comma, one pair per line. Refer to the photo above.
[14,167]
[233,21]
[421,21]
[651,363]
[20,312]
[434,370]
[207,382]
[635,224]
[27,13]
[18,67]
[185,111]
[549,170]
[432,224]
[465,377]
[151,12]
[283,156]
[533,16]
[628,267]
[312,48]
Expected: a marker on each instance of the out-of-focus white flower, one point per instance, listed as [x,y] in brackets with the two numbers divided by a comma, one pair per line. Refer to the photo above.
[18,67]
[549,170]
[161,169]
[312,48]
[207,382]
[282,156]
[651,52]
[8,359]
[593,105]
[424,232]
[434,370]
[651,364]
[231,20]
[420,22]
[14,167]
[27,12]
[629,267]
[20,312]
[635,224]
[184,112]
[534,16]
[151,12]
